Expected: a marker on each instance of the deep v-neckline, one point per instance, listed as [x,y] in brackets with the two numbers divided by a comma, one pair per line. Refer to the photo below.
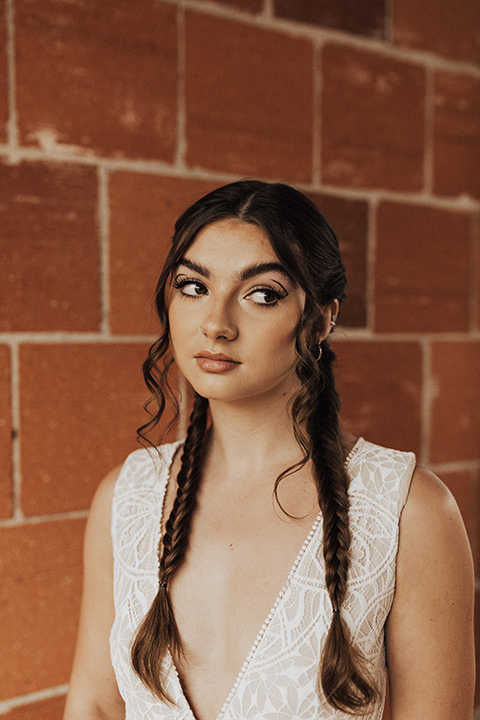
[273,611]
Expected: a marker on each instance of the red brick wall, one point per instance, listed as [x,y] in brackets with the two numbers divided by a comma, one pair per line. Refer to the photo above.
[114,116]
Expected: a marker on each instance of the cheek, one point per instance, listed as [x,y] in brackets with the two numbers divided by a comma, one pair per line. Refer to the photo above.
[181,318]
[278,339]
[179,329]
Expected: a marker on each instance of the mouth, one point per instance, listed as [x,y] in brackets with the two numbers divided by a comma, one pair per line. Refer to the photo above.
[216,356]
[215,362]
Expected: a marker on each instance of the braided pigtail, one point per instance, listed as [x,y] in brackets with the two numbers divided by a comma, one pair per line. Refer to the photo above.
[342,676]
[158,632]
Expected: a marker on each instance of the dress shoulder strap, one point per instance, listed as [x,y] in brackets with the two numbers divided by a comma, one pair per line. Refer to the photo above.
[146,467]
[379,483]
[382,474]
[138,501]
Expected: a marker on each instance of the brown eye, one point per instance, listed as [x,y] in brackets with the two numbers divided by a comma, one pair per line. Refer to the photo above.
[265,296]
[190,288]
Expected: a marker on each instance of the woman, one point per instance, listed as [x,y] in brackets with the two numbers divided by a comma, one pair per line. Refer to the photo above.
[271,517]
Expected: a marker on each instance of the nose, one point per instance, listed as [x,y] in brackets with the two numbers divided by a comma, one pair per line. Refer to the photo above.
[218,324]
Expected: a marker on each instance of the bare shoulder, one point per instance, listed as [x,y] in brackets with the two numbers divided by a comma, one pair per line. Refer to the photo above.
[431,514]
[101,507]
[427,488]
[432,534]
[104,492]
[429,632]
[98,540]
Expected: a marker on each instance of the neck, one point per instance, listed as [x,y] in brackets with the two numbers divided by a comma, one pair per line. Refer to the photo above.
[248,439]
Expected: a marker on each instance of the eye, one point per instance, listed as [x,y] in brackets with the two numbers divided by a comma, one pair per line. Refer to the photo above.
[189,287]
[265,296]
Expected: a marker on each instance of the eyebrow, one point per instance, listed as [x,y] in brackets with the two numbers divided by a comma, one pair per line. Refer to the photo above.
[247,273]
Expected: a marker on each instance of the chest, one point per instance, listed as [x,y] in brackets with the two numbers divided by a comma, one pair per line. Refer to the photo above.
[241,552]
[226,595]
[241,549]
[235,567]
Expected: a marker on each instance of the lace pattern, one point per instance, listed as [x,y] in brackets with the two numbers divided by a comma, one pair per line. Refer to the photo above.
[278,678]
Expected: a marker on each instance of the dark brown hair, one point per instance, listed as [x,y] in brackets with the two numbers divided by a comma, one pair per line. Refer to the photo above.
[305,244]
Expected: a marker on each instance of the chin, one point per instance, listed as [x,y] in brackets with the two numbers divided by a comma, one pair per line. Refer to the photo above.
[234,393]
[206,390]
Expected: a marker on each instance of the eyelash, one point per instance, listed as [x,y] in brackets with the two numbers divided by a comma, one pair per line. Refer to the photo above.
[272,291]
[179,284]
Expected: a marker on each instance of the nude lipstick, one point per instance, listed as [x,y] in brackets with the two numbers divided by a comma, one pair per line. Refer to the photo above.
[215,362]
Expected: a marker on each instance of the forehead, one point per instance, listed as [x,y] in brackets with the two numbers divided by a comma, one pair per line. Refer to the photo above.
[232,240]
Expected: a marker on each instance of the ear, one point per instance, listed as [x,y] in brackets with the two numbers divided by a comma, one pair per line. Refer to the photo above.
[330,314]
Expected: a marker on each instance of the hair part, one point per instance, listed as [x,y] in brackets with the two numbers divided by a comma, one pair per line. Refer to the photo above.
[305,244]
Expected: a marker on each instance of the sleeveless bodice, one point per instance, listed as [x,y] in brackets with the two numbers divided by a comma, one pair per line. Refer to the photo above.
[278,678]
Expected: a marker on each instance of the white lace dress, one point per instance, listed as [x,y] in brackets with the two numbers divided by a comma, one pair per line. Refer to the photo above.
[278,678]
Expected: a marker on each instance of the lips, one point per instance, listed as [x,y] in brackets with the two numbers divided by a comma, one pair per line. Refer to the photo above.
[216,356]
[215,362]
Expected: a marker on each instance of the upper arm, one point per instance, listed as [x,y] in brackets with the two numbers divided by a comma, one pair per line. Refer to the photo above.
[93,692]
[429,632]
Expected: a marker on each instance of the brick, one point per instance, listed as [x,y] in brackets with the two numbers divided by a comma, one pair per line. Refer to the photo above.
[456,133]
[349,220]
[51,709]
[41,567]
[372,120]
[417,286]
[248,114]
[477,645]
[476,243]
[380,385]
[95,88]
[143,210]
[465,487]
[80,407]
[49,248]
[250,6]
[366,18]
[6,481]
[452,30]
[3,73]
[455,407]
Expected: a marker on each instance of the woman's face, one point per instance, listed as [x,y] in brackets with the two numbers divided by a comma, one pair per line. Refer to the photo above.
[233,313]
